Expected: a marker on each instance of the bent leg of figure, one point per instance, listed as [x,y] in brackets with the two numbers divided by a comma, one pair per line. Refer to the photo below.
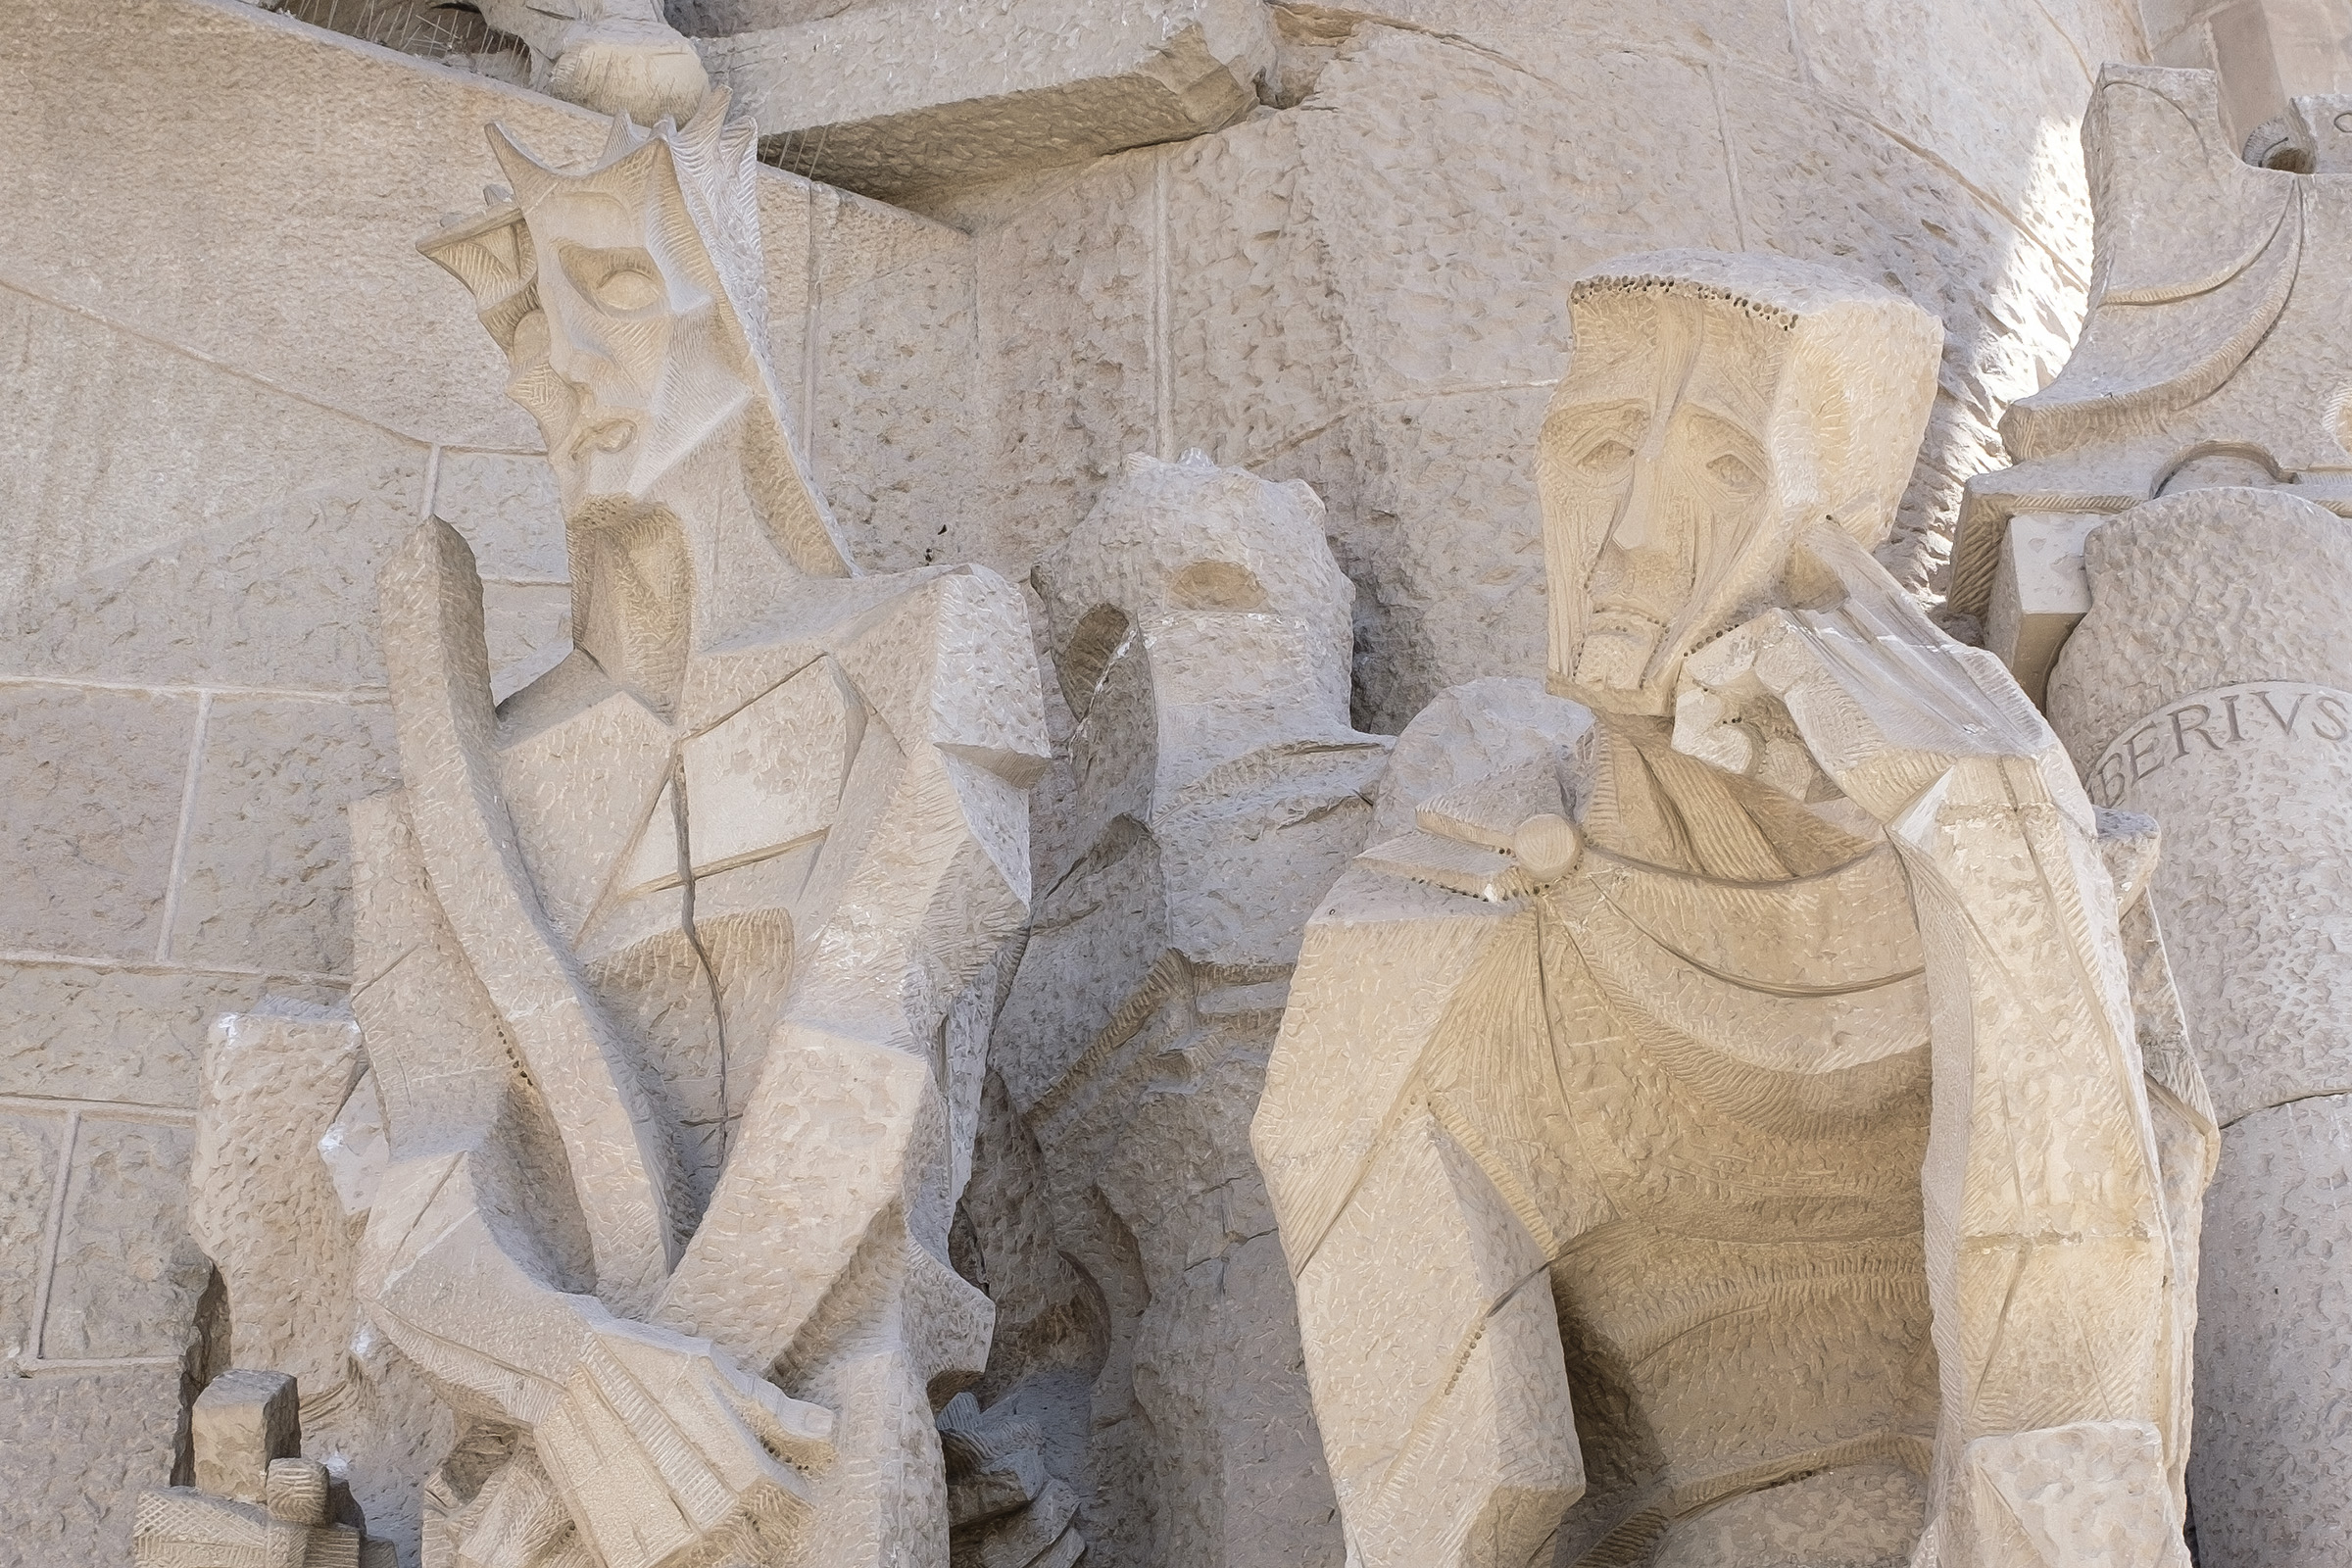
[1433,1350]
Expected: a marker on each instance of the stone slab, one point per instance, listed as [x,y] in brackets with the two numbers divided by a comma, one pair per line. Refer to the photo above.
[898,97]
[128,1273]
[268,867]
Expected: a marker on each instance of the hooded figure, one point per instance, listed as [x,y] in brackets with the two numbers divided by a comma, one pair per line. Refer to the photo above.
[1713,1126]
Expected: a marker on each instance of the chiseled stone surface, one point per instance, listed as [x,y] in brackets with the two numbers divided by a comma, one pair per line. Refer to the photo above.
[265,868]
[80,1447]
[93,779]
[2274,1342]
[890,97]
[1624,1167]
[1342,261]
[2210,685]
[128,1273]
[134,1035]
[725,885]
[29,1146]
[2206,680]
[1208,790]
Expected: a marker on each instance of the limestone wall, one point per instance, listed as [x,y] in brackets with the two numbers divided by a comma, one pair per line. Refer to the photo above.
[1364,290]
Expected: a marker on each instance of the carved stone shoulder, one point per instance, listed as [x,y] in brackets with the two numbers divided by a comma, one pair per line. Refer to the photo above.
[1480,793]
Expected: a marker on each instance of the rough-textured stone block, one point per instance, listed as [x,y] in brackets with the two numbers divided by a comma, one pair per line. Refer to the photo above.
[81,1448]
[2272,1469]
[127,1272]
[93,781]
[894,98]
[29,1142]
[505,505]
[134,1035]
[283,597]
[892,444]
[241,1425]
[131,556]
[268,873]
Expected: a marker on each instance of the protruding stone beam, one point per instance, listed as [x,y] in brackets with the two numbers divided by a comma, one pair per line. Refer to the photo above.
[897,98]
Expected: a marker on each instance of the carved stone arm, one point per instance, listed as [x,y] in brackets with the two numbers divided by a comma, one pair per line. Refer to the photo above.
[2048,1252]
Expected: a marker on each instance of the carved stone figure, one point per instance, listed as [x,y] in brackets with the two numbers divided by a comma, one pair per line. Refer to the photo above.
[1740,1117]
[1214,790]
[669,961]
[2177,520]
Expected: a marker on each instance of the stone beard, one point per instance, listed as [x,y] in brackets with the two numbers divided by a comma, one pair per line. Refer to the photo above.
[1717,1127]
[669,940]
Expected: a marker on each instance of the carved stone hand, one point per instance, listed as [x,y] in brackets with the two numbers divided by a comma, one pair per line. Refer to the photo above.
[669,1454]
[1879,700]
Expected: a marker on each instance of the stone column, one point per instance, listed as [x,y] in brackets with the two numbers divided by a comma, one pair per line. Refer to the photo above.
[2211,687]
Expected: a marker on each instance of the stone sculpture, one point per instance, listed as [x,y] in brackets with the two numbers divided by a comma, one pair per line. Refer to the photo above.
[669,961]
[1741,1118]
[1216,788]
[2175,521]
[289,1150]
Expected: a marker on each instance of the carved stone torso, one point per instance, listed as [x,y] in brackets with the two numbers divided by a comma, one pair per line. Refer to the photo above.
[1711,1112]
[680,853]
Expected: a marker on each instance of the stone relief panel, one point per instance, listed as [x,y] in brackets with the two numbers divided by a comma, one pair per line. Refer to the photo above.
[1740,1115]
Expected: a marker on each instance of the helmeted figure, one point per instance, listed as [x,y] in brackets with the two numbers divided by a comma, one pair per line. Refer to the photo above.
[676,961]
[1739,1115]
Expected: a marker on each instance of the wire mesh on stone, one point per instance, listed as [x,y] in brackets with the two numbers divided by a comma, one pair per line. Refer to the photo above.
[438,30]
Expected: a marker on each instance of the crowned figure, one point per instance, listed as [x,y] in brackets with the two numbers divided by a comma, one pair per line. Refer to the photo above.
[678,961]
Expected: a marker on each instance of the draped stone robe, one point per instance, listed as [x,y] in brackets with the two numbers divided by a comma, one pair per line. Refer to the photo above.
[1612,1187]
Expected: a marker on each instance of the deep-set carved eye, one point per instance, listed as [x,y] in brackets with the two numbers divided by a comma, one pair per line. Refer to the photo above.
[1735,475]
[623,282]
[627,288]
[1606,459]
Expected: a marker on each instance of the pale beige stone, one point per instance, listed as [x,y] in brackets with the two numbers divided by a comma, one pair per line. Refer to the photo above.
[93,780]
[242,1423]
[83,1446]
[2039,593]
[256,1500]
[32,1145]
[266,863]
[2205,359]
[735,1059]
[1612,1089]
[2208,686]
[127,1277]
[1200,631]
[882,97]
